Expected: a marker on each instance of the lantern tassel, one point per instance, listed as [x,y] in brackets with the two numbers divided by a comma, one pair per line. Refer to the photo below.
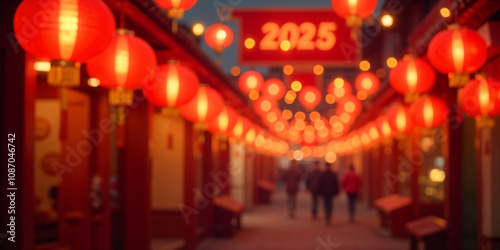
[458,80]
[120,131]
[63,130]
[175,26]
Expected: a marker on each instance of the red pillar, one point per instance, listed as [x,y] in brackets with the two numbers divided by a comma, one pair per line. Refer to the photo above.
[188,209]
[100,166]
[209,185]
[134,178]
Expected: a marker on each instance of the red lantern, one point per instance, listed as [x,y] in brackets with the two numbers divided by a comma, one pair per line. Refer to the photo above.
[400,119]
[174,85]
[310,97]
[339,88]
[250,81]
[412,76]
[457,52]
[65,32]
[123,66]
[429,112]
[219,37]
[351,105]
[373,132]
[224,122]
[241,128]
[367,82]
[205,106]
[175,8]
[251,135]
[384,127]
[479,98]
[354,10]
[263,105]
[274,89]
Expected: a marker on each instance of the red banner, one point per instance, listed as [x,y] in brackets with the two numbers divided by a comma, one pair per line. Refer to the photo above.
[294,36]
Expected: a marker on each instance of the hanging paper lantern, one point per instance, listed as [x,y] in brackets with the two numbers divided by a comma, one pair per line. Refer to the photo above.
[274,89]
[250,81]
[65,32]
[429,112]
[173,86]
[354,11]
[224,122]
[339,88]
[457,52]
[310,97]
[241,127]
[384,127]
[479,98]
[219,37]
[205,106]
[351,105]
[175,8]
[373,132]
[123,66]
[367,82]
[251,135]
[412,76]
[263,105]
[400,119]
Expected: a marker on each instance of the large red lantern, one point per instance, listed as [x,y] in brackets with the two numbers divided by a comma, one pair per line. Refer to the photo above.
[412,76]
[354,10]
[310,97]
[339,88]
[274,89]
[123,66]
[429,112]
[224,122]
[173,85]
[458,52]
[205,106]
[65,32]
[367,82]
[241,127]
[400,119]
[250,81]
[480,97]
[218,37]
[351,105]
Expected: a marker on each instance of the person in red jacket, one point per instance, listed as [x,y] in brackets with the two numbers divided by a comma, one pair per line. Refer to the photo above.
[351,183]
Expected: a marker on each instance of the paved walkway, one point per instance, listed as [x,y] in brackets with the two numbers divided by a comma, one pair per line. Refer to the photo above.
[268,227]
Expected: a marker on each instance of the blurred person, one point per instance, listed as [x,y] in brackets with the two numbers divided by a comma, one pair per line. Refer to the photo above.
[312,184]
[328,188]
[351,183]
[291,178]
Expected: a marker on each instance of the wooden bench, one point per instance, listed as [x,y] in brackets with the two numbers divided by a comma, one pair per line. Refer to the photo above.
[429,231]
[395,211]
[265,189]
[227,215]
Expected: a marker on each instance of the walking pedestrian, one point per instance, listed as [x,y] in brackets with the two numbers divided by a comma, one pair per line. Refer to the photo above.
[351,183]
[292,178]
[312,184]
[329,187]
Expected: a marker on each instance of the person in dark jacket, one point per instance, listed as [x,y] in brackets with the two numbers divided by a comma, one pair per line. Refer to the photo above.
[328,188]
[292,178]
[312,184]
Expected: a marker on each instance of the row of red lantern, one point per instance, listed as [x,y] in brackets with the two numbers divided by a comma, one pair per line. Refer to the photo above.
[457,52]
[427,112]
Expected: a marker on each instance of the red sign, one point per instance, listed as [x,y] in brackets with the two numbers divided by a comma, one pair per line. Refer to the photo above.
[294,36]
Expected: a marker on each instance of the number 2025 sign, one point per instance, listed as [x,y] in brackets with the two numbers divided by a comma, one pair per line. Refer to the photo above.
[294,36]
